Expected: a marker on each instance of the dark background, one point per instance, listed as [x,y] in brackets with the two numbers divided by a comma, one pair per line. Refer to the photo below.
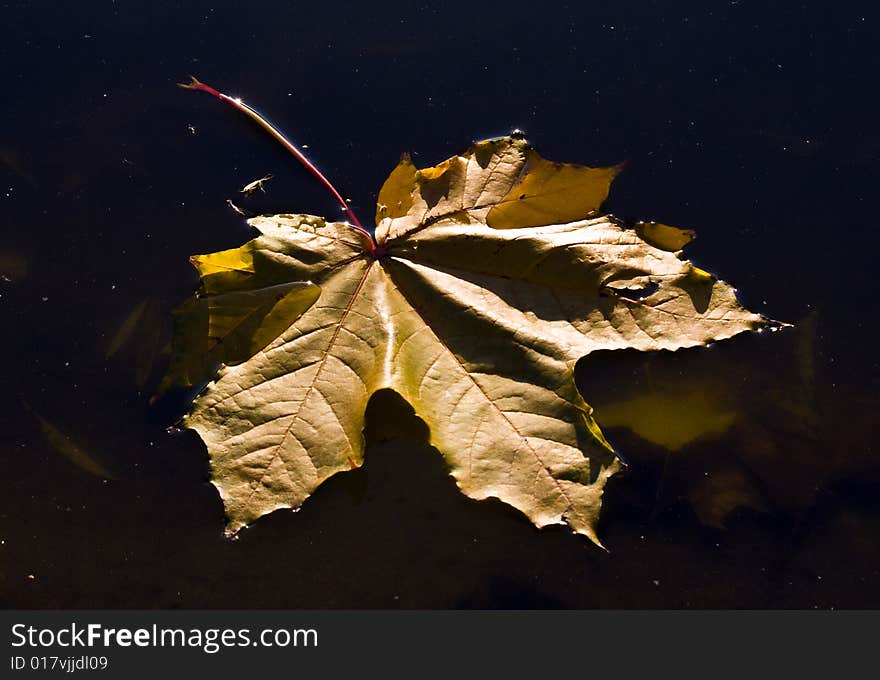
[752,122]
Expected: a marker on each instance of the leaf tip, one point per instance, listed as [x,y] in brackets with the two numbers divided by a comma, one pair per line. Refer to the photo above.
[773,325]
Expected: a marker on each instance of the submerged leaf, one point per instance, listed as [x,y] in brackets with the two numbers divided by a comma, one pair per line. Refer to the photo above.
[68,448]
[492,274]
[670,419]
[139,341]
[126,329]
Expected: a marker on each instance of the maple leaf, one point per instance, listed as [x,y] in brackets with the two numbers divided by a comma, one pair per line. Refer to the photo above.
[491,274]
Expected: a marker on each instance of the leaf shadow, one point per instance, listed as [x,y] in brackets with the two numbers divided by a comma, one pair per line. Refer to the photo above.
[699,292]
[390,416]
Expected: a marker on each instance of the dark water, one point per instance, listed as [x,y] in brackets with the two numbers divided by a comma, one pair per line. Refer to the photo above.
[753,123]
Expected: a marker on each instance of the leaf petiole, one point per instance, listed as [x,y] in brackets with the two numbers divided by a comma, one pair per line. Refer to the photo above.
[196,84]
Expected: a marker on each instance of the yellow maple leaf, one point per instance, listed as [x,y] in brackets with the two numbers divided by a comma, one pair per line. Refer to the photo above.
[490,275]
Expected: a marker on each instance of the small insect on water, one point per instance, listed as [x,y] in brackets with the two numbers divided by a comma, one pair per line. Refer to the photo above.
[248,189]
[240,211]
